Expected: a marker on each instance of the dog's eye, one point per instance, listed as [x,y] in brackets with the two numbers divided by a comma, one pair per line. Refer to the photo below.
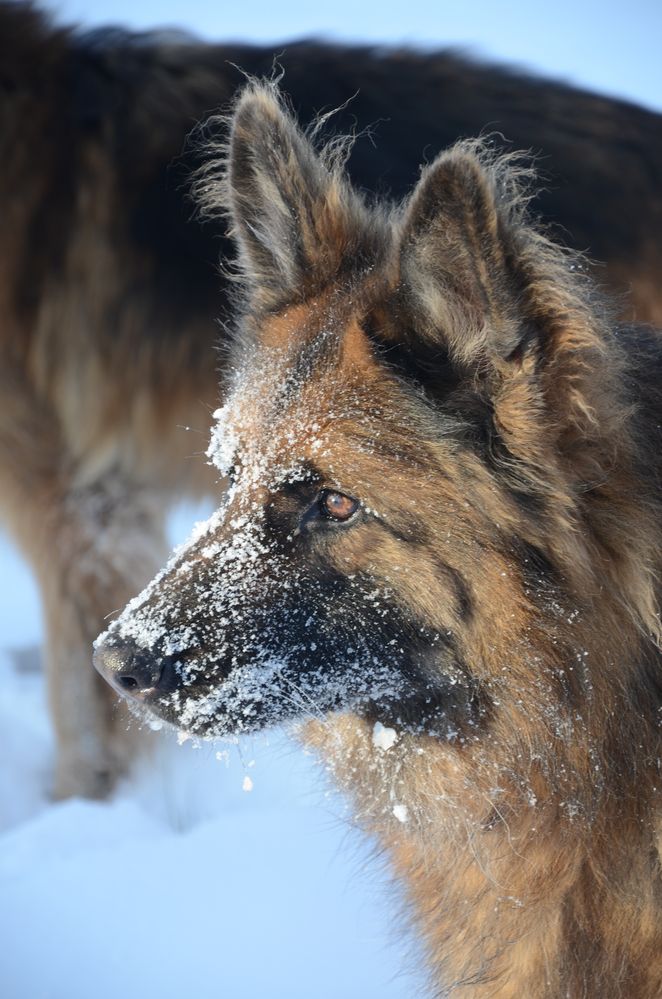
[337,506]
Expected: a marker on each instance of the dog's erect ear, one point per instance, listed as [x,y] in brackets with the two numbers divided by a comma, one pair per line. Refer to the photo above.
[488,307]
[297,221]
[456,274]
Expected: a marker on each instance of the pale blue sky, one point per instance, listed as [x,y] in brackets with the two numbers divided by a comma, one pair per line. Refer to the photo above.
[612,46]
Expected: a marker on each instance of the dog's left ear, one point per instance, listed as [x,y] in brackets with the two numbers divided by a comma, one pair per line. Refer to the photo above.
[297,221]
[456,261]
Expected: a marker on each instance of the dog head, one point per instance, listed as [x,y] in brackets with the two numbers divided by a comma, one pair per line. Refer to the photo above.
[420,406]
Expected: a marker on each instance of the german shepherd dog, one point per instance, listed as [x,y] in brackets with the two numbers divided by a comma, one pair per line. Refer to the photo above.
[109,292]
[440,554]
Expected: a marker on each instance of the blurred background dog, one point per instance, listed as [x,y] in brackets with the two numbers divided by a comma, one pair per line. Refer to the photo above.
[110,289]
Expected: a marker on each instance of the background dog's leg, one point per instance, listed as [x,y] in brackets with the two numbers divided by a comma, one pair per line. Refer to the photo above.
[108,542]
[92,547]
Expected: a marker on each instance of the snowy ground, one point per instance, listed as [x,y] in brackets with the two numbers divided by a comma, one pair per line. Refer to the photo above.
[185,885]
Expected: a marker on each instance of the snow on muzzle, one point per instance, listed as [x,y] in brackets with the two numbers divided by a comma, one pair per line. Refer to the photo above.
[238,634]
[180,632]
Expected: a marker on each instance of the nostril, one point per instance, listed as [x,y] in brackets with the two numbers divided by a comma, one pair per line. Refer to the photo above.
[128,682]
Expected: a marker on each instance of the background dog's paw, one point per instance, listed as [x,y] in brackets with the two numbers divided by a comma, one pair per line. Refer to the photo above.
[82,779]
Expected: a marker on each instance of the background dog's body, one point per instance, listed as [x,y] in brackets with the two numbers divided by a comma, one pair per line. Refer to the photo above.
[109,290]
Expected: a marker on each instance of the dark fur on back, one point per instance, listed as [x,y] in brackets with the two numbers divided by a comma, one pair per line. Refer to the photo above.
[135,98]
[440,553]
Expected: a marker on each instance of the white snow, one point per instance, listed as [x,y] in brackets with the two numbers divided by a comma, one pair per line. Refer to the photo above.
[401,812]
[383,737]
[182,884]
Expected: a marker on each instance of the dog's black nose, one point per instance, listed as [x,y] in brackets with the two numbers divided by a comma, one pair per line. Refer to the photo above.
[131,671]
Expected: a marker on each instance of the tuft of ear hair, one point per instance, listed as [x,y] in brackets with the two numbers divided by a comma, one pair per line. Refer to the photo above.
[456,253]
[297,222]
[480,280]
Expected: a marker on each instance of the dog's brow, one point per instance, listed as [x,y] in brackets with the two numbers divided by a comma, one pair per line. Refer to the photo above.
[306,474]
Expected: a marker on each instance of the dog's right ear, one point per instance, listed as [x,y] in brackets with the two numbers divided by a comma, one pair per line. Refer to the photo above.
[296,220]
